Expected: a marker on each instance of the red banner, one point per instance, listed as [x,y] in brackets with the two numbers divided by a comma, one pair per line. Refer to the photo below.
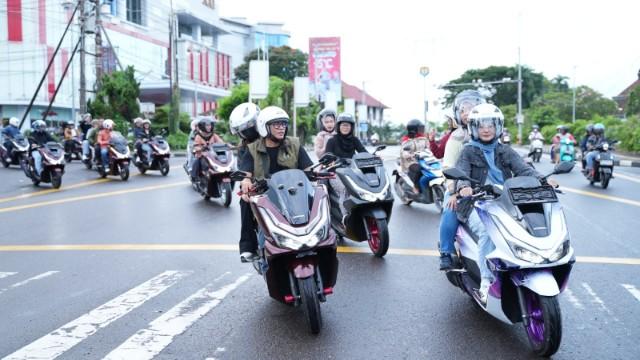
[324,67]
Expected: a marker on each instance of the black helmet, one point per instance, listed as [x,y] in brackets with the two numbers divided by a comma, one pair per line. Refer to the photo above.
[348,118]
[535,127]
[589,129]
[202,126]
[321,115]
[466,99]
[414,127]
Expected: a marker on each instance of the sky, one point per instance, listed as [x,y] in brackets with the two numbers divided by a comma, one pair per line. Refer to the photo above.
[385,43]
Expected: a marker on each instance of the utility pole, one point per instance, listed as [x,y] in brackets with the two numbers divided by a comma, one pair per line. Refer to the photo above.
[519,118]
[83,78]
[98,47]
[573,107]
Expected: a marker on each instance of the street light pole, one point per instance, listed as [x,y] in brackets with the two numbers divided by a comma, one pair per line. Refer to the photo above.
[519,118]
[424,71]
[573,109]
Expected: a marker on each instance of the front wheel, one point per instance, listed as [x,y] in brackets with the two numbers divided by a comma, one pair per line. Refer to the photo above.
[68,157]
[400,192]
[438,197]
[378,236]
[5,163]
[311,303]
[124,172]
[164,167]
[545,323]
[604,180]
[226,193]
[56,179]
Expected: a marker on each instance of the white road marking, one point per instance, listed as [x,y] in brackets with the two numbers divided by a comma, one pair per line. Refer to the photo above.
[573,299]
[64,338]
[149,342]
[626,177]
[632,289]
[25,282]
[6,274]
[597,300]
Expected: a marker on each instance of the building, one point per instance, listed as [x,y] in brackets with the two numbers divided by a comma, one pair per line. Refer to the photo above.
[623,98]
[374,107]
[137,33]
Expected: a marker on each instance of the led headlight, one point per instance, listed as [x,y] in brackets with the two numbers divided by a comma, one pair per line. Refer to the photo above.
[560,252]
[605,146]
[526,255]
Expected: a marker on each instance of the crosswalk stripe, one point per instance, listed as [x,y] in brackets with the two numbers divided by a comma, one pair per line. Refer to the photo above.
[64,338]
[149,342]
[573,299]
[6,274]
[25,282]
[632,289]
[598,300]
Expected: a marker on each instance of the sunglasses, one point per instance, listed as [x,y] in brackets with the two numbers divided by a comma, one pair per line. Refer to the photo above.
[279,124]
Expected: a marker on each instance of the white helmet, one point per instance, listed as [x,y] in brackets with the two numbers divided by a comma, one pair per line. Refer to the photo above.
[485,115]
[108,124]
[194,124]
[137,122]
[14,121]
[145,121]
[268,115]
[242,121]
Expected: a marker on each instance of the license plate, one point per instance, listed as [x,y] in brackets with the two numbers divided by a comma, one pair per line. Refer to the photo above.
[226,180]
[606,162]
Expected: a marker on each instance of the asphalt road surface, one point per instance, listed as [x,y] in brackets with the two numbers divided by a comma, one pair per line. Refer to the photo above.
[147,268]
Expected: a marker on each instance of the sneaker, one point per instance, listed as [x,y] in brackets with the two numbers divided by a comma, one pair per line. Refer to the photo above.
[446,263]
[484,290]
[247,257]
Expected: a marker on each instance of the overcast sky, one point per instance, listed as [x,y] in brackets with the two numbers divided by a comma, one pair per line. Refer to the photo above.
[385,43]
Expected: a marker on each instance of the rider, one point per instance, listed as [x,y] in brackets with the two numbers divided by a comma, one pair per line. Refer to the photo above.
[143,134]
[90,138]
[437,147]
[487,161]
[344,144]
[9,133]
[242,122]
[69,133]
[39,137]
[85,125]
[192,135]
[104,137]
[326,124]
[412,143]
[462,105]
[588,131]
[535,134]
[205,136]
[273,152]
[563,132]
[595,140]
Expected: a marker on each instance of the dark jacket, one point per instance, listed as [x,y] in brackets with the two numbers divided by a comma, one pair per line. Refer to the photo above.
[333,146]
[10,131]
[41,137]
[140,134]
[474,165]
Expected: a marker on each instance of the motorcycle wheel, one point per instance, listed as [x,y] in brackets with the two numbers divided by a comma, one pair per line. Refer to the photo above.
[604,180]
[438,197]
[56,179]
[32,176]
[378,236]
[226,193]
[68,157]
[545,323]
[164,167]
[124,172]
[5,163]
[311,303]
[24,165]
[400,193]
[141,169]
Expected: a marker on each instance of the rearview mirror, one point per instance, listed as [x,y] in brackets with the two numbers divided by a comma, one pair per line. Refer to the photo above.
[564,167]
[238,175]
[456,174]
[327,159]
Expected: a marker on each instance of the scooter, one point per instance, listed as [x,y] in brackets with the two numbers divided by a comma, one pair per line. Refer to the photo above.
[506,138]
[535,150]
[18,154]
[368,201]
[532,258]
[215,178]
[567,151]
[88,161]
[73,148]
[602,166]
[119,158]
[160,154]
[53,164]
[431,183]
[297,248]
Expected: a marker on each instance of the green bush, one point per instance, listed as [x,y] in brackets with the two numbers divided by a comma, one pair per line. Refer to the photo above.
[178,141]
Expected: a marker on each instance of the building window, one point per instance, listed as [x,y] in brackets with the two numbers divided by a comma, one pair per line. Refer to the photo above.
[134,11]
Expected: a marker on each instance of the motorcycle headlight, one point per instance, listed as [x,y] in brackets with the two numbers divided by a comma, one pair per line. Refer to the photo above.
[605,146]
[296,243]
[526,255]
[560,252]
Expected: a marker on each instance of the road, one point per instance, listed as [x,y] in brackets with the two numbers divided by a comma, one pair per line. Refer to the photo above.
[146,268]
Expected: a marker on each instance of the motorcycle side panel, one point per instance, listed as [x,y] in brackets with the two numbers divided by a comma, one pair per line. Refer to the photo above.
[540,282]
[436,181]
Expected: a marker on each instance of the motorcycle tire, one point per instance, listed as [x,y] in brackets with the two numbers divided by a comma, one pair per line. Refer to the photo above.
[68,157]
[604,180]
[142,169]
[32,176]
[398,187]
[545,323]
[438,197]
[226,193]
[56,179]
[124,172]
[308,288]
[378,236]
[164,167]
[24,165]
[5,163]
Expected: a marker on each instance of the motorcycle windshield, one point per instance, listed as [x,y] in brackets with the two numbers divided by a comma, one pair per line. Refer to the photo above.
[161,143]
[20,140]
[118,142]
[292,194]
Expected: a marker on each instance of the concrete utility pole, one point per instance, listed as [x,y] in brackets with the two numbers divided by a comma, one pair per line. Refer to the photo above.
[424,71]
[98,47]
[519,118]
[83,78]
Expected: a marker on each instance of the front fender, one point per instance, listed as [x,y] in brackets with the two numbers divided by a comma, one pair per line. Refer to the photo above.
[436,181]
[303,268]
[606,170]
[541,282]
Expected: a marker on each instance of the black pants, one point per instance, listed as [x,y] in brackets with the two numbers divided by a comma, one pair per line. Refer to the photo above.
[248,228]
[9,146]
[415,174]
[199,165]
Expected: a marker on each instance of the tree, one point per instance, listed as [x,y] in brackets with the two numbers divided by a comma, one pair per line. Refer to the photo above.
[532,84]
[117,98]
[633,104]
[559,83]
[284,62]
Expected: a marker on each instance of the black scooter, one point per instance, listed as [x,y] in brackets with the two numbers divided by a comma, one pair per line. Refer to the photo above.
[602,165]
[368,201]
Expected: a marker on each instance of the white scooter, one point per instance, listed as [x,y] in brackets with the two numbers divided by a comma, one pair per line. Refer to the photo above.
[532,258]
[535,150]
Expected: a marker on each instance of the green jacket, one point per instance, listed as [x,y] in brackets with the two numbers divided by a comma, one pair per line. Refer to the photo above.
[287,156]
